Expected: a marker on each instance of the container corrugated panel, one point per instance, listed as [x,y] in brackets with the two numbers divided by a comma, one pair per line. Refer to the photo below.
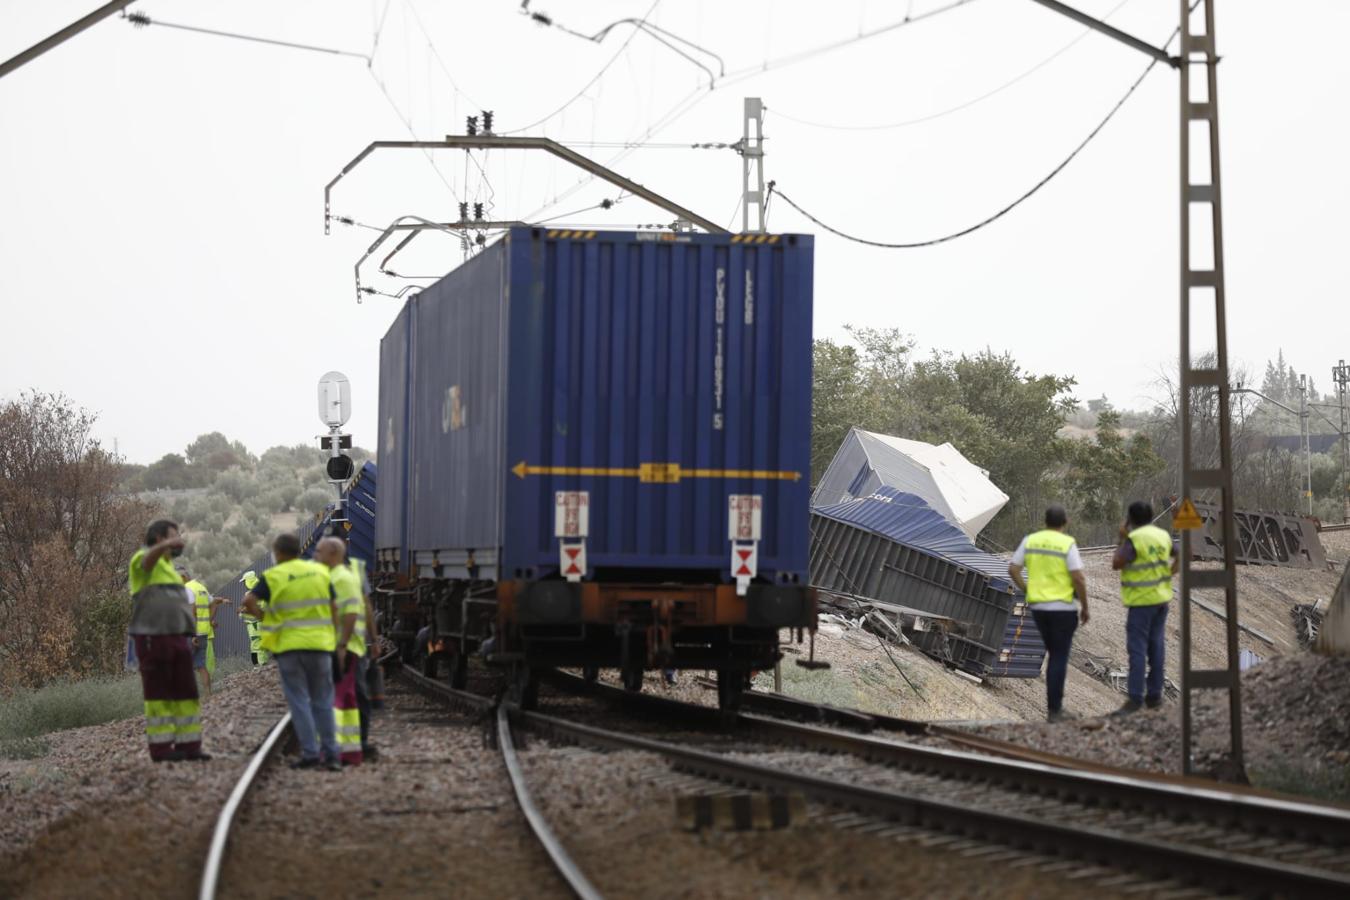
[394,439]
[850,557]
[457,466]
[909,519]
[658,373]
[357,508]
[231,634]
[359,504]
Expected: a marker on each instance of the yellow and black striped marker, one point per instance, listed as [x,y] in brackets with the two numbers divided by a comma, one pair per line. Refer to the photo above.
[740,812]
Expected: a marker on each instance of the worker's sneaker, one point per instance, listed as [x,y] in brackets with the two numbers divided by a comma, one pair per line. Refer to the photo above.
[1153,702]
[1128,707]
[306,762]
[198,757]
[333,765]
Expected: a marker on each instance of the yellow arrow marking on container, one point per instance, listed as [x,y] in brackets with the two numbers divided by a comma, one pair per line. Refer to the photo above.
[653,473]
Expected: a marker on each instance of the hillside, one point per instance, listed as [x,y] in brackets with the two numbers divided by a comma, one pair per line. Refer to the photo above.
[865,676]
[231,503]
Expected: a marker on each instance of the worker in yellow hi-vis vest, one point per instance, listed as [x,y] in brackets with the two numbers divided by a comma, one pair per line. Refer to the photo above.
[162,626]
[1056,592]
[256,652]
[1146,560]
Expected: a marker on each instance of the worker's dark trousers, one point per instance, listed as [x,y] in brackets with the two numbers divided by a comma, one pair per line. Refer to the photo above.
[1056,628]
[346,713]
[172,712]
[1146,641]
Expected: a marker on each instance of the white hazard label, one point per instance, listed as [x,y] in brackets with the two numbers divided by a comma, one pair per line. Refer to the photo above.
[744,512]
[744,565]
[571,514]
[572,559]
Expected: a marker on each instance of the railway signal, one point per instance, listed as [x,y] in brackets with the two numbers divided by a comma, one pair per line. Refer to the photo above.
[335,408]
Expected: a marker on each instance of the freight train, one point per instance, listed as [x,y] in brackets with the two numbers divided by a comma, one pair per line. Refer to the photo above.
[594,452]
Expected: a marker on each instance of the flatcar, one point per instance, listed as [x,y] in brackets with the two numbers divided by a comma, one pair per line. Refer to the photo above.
[594,452]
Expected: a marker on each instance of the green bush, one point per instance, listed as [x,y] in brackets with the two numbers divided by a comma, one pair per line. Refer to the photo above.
[101,634]
[71,704]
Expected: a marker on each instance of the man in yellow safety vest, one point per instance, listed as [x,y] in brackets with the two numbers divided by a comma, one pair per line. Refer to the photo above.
[298,629]
[1055,587]
[255,651]
[162,627]
[204,611]
[351,648]
[1146,560]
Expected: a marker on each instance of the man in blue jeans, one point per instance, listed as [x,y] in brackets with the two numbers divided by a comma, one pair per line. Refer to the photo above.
[1146,560]
[298,629]
[1056,592]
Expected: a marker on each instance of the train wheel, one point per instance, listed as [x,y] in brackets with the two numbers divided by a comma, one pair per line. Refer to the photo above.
[632,680]
[590,674]
[459,670]
[525,687]
[730,686]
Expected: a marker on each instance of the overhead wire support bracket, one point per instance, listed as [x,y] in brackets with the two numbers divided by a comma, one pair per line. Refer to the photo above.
[415,225]
[1129,40]
[503,142]
[63,35]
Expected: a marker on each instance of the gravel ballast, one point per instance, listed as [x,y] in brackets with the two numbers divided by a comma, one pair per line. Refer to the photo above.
[95,817]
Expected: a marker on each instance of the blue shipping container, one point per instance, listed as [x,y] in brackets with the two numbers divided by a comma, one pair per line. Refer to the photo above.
[658,373]
[394,441]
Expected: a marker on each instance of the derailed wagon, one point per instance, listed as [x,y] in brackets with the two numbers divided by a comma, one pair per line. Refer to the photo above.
[594,449]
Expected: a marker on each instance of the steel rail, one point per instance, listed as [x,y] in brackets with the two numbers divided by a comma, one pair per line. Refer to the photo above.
[215,856]
[1229,871]
[464,698]
[557,854]
[1194,798]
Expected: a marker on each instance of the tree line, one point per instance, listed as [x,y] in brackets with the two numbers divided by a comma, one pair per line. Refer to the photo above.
[1040,445]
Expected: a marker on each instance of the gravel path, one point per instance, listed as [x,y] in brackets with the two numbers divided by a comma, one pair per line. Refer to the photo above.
[1296,730]
[433,817]
[94,817]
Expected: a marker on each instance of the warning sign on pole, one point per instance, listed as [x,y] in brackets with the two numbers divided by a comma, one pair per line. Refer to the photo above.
[1186,518]
[571,514]
[572,559]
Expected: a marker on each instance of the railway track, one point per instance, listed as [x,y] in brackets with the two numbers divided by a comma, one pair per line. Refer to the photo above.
[794,709]
[1180,833]
[562,862]
[220,836]
[435,808]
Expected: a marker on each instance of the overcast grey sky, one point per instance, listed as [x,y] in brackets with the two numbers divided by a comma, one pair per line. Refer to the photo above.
[162,257]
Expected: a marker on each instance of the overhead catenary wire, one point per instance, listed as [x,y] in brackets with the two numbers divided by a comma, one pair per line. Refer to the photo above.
[963,105]
[688,102]
[594,78]
[989,220]
[141,20]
